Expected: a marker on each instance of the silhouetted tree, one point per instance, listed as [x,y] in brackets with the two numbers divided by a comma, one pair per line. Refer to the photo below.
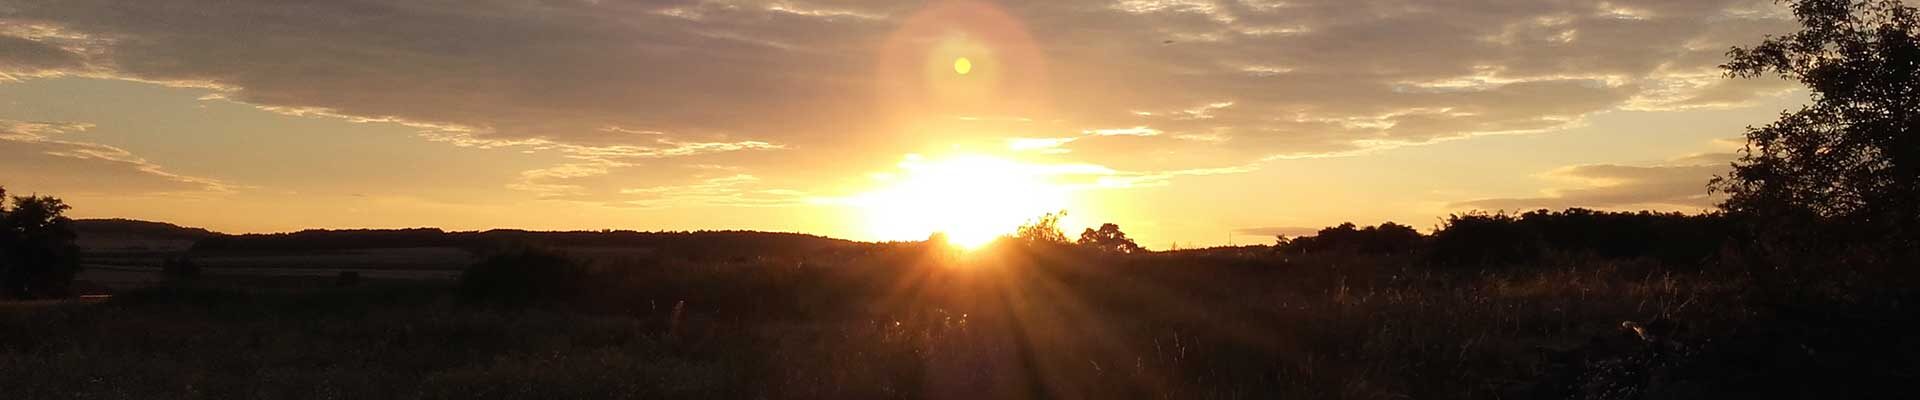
[1483,239]
[1852,156]
[1386,238]
[1042,230]
[1109,239]
[38,257]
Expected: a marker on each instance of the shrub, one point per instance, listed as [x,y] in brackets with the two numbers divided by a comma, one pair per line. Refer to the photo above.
[519,275]
[1483,239]
[1387,238]
[38,257]
[179,267]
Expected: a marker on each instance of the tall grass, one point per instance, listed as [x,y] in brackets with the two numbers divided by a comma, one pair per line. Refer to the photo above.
[908,321]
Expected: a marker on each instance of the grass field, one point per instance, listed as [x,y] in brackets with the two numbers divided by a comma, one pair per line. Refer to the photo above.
[907,324]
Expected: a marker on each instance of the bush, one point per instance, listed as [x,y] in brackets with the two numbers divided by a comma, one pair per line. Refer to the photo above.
[1483,239]
[521,275]
[1386,239]
[38,257]
[179,267]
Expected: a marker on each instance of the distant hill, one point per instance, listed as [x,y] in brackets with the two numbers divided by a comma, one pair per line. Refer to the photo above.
[694,243]
[121,228]
[119,237]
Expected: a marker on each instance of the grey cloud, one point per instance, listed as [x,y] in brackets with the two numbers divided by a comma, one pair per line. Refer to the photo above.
[1681,186]
[1289,231]
[1305,78]
[37,158]
[19,55]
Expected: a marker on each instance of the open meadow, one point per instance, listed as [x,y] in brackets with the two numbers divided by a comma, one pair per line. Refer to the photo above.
[915,320]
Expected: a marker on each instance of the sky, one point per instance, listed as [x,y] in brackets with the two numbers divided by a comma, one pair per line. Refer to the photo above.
[1186,122]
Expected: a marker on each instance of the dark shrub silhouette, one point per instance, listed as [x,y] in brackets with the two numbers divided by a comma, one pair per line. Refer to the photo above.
[1485,239]
[38,258]
[1387,238]
[1673,238]
[521,275]
[1044,230]
[1496,239]
[1108,239]
[179,267]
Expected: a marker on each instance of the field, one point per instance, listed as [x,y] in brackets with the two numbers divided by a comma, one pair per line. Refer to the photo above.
[905,321]
[138,265]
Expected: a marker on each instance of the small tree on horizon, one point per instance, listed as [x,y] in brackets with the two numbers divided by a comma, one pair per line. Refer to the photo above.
[1042,230]
[38,257]
[1109,239]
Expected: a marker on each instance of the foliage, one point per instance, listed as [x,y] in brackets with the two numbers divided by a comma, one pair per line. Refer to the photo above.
[521,275]
[1387,238]
[1852,157]
[38,258]
[1495,239]
[1044,230]
[1108,239]
[1480,238]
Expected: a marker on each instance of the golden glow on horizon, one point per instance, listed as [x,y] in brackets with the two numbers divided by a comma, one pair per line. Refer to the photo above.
[962,65]
[973,199]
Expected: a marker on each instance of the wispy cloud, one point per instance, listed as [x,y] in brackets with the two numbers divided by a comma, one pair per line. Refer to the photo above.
[1678,185]
[40,158]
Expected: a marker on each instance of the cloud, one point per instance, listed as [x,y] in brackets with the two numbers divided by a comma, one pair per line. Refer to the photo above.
[37,158]
[731,191]
[27,57]
[1680,186]
[1190,84]
[1289,231]
[557,182]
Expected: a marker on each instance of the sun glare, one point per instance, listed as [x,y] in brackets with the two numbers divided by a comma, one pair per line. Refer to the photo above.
[972,199]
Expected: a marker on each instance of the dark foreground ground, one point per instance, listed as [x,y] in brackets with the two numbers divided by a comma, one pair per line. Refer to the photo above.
[909,326]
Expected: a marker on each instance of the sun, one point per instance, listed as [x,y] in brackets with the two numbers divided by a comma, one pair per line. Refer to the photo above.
[972,199]
[962,65]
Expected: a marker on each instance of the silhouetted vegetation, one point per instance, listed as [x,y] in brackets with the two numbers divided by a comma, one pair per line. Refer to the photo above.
[1674,239]
[179,267]
[1044,230]
[522,275]
[1480,239]
[1108,239]
[1387,238]
[1844,171]
[38,258]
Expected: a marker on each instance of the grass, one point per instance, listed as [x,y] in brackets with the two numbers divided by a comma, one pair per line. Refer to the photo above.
[899,322]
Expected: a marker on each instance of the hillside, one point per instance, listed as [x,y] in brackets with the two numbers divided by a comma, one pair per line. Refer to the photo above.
[132,228]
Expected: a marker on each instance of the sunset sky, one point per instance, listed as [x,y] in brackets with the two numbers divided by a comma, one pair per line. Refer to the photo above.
[1187,121]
